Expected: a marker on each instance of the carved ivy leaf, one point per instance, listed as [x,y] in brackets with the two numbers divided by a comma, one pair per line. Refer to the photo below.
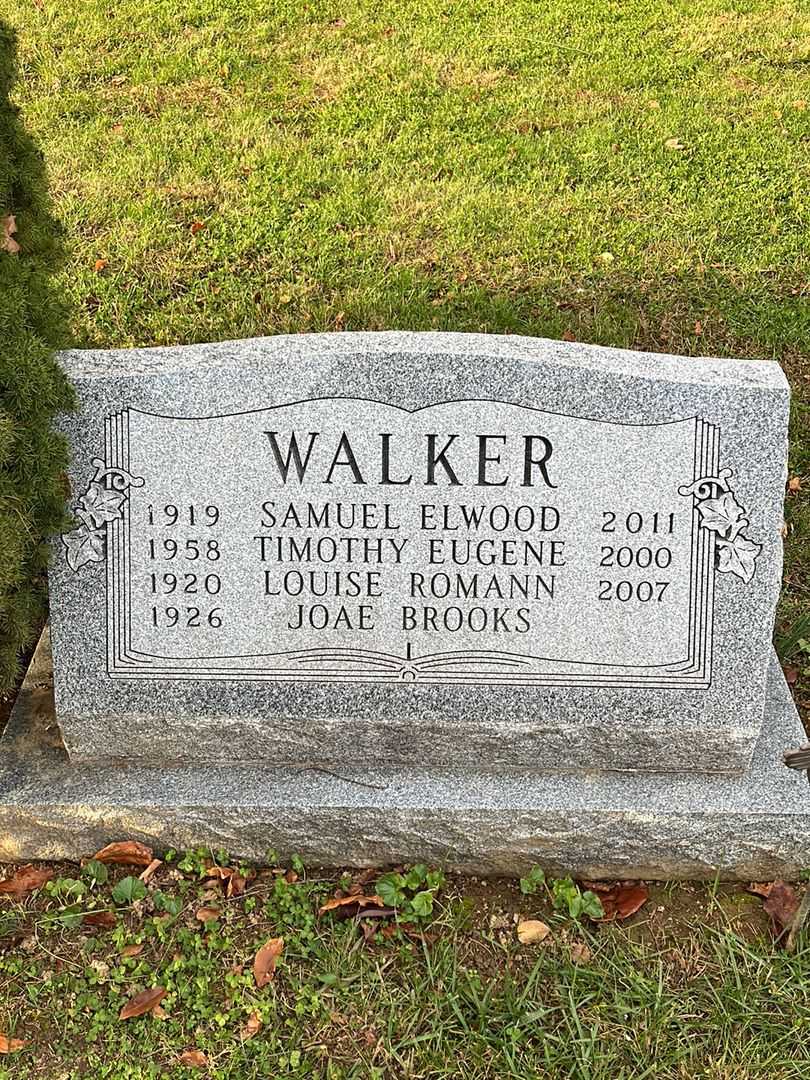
[82,546]
[738,557]
[101,504]
[721,514]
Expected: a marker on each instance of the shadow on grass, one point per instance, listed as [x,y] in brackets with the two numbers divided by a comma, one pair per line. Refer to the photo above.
[33,323]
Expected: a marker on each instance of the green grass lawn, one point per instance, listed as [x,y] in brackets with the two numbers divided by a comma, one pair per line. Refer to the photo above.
[632,174]
[691,987]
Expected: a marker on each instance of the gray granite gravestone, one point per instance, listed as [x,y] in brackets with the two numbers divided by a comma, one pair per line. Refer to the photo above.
[471,579]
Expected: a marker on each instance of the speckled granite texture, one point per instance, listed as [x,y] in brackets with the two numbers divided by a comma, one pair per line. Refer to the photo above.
[174,718]
[751,827]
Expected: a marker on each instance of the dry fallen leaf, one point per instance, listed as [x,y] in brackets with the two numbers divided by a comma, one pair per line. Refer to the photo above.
[622,900]
[10,1046]
[674,144]
[154,865]
[99,265]
[580,953]
[568,336]
[8,226]
[104,919]
[781,904]
[343,901]
[126,852]
[25,880]
[196,226]
[143,1002]
[760,888]
[131,950]
[794,483]
[208,914]
[236,884]
[791,674]
[698,327]
[264,963]
[158,1013]
[230,877]
[252,1026]
[196,1059]
[532,931]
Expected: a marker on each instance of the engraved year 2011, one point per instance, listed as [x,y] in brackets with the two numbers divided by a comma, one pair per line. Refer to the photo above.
[635,522]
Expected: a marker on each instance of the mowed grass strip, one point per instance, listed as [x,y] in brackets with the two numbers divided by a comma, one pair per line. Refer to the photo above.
[691,987]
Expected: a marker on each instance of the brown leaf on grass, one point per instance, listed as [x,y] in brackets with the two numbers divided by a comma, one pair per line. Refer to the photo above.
[791,674]
[795,483]
[195,227]
[291,877]
[143,1002]
[104,919]
[10,1046]
[207,914]
[230,877]
[153,866]
[125,852]
[25,880]
[264,962]
[131,950]
[252,1026]
[415,934]
[532,931]
[760,888]
[8,226]
[99,265]
[568,336]
[781,904]
[344,901]
[236,884]
[158,1013]
[622,900]
[580,953]
[195,1059]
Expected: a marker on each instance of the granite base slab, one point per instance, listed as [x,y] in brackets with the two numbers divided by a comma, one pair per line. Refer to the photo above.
[594,825]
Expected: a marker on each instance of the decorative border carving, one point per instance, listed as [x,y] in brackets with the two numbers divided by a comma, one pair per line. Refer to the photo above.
[721,514]
[103,501]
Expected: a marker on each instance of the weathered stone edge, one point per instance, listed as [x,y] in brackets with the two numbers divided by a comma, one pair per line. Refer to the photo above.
[597,825]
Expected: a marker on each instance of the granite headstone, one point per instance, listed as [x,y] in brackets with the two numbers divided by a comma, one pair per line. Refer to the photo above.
[445,548]
[422,562]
